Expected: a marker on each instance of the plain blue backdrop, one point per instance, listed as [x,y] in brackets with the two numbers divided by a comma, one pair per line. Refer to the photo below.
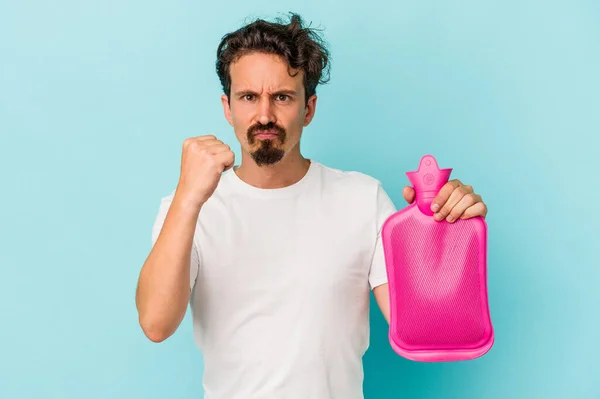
[96,98]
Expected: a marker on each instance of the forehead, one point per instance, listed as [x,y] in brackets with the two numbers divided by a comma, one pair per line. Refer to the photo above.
[260,71]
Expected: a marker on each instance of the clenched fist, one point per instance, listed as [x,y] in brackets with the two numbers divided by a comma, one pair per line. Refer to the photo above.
[203,160]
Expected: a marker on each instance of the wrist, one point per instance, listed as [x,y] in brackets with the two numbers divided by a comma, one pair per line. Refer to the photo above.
[187,204]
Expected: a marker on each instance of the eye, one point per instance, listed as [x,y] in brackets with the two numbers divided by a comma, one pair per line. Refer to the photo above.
[282,97]
[249,97]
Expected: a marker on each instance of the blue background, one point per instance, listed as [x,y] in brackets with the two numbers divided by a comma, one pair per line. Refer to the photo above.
[96,98]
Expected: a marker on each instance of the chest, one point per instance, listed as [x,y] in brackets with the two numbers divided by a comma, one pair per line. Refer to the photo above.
[284,247]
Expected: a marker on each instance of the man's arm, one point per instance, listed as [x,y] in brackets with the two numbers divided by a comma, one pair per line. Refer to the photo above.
[163,290]
[164,286]
[377,274]
[382,297]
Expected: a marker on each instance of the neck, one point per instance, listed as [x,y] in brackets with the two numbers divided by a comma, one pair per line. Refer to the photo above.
[289,170]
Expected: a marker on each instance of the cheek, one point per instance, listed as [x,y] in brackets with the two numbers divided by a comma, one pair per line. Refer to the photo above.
[296,125]
[240,112]
[236,117]
[241,121]
[292,119]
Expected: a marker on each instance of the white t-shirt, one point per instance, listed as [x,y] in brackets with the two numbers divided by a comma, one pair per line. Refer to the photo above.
[280,283]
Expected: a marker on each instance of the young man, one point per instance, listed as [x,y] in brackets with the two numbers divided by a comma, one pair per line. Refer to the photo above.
[276,256]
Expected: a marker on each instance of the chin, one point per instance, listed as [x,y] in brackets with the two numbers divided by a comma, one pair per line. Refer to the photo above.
[267,154]
[267,159]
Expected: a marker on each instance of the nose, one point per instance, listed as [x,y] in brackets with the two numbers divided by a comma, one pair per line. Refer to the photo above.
[265,112]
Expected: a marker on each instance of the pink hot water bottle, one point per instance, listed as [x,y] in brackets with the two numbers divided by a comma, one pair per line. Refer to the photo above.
[437,277]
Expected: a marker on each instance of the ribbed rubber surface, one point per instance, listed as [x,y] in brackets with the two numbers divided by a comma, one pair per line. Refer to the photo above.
[437,281]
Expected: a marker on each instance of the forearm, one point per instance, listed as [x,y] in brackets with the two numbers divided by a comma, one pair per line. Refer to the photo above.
[163,290]
[382,297]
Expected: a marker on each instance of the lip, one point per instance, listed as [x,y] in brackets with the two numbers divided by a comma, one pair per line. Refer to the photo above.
[267,135]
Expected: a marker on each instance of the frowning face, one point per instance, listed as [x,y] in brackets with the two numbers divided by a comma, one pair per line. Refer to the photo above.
[267,107]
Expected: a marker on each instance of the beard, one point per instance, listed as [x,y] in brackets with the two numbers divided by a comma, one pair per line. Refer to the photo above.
[269,151]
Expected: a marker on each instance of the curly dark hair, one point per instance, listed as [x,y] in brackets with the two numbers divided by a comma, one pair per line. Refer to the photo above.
[301,47]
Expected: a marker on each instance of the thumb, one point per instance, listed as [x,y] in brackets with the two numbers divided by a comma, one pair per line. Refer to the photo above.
[409,194]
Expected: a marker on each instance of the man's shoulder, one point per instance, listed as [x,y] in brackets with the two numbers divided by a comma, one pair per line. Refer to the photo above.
[348,178]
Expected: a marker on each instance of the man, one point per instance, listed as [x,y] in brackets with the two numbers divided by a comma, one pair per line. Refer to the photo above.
[276,256]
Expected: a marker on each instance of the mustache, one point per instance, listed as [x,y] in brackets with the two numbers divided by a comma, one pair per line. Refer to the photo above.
[271,126]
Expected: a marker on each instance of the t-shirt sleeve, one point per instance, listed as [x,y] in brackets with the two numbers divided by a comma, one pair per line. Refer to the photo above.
[384,209]
[165,203]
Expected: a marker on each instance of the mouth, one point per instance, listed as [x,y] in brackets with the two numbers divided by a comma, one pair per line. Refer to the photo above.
[269,134]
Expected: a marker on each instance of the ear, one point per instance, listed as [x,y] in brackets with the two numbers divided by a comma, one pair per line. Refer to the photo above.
[226,109]
[309,110]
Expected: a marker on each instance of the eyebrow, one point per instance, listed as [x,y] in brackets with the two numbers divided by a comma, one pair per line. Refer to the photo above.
[282,91]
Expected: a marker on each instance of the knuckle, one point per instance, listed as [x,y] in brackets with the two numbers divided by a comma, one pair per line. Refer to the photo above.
[478,208]
[195,146]
[455,213]
[210,161]
[445,210]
